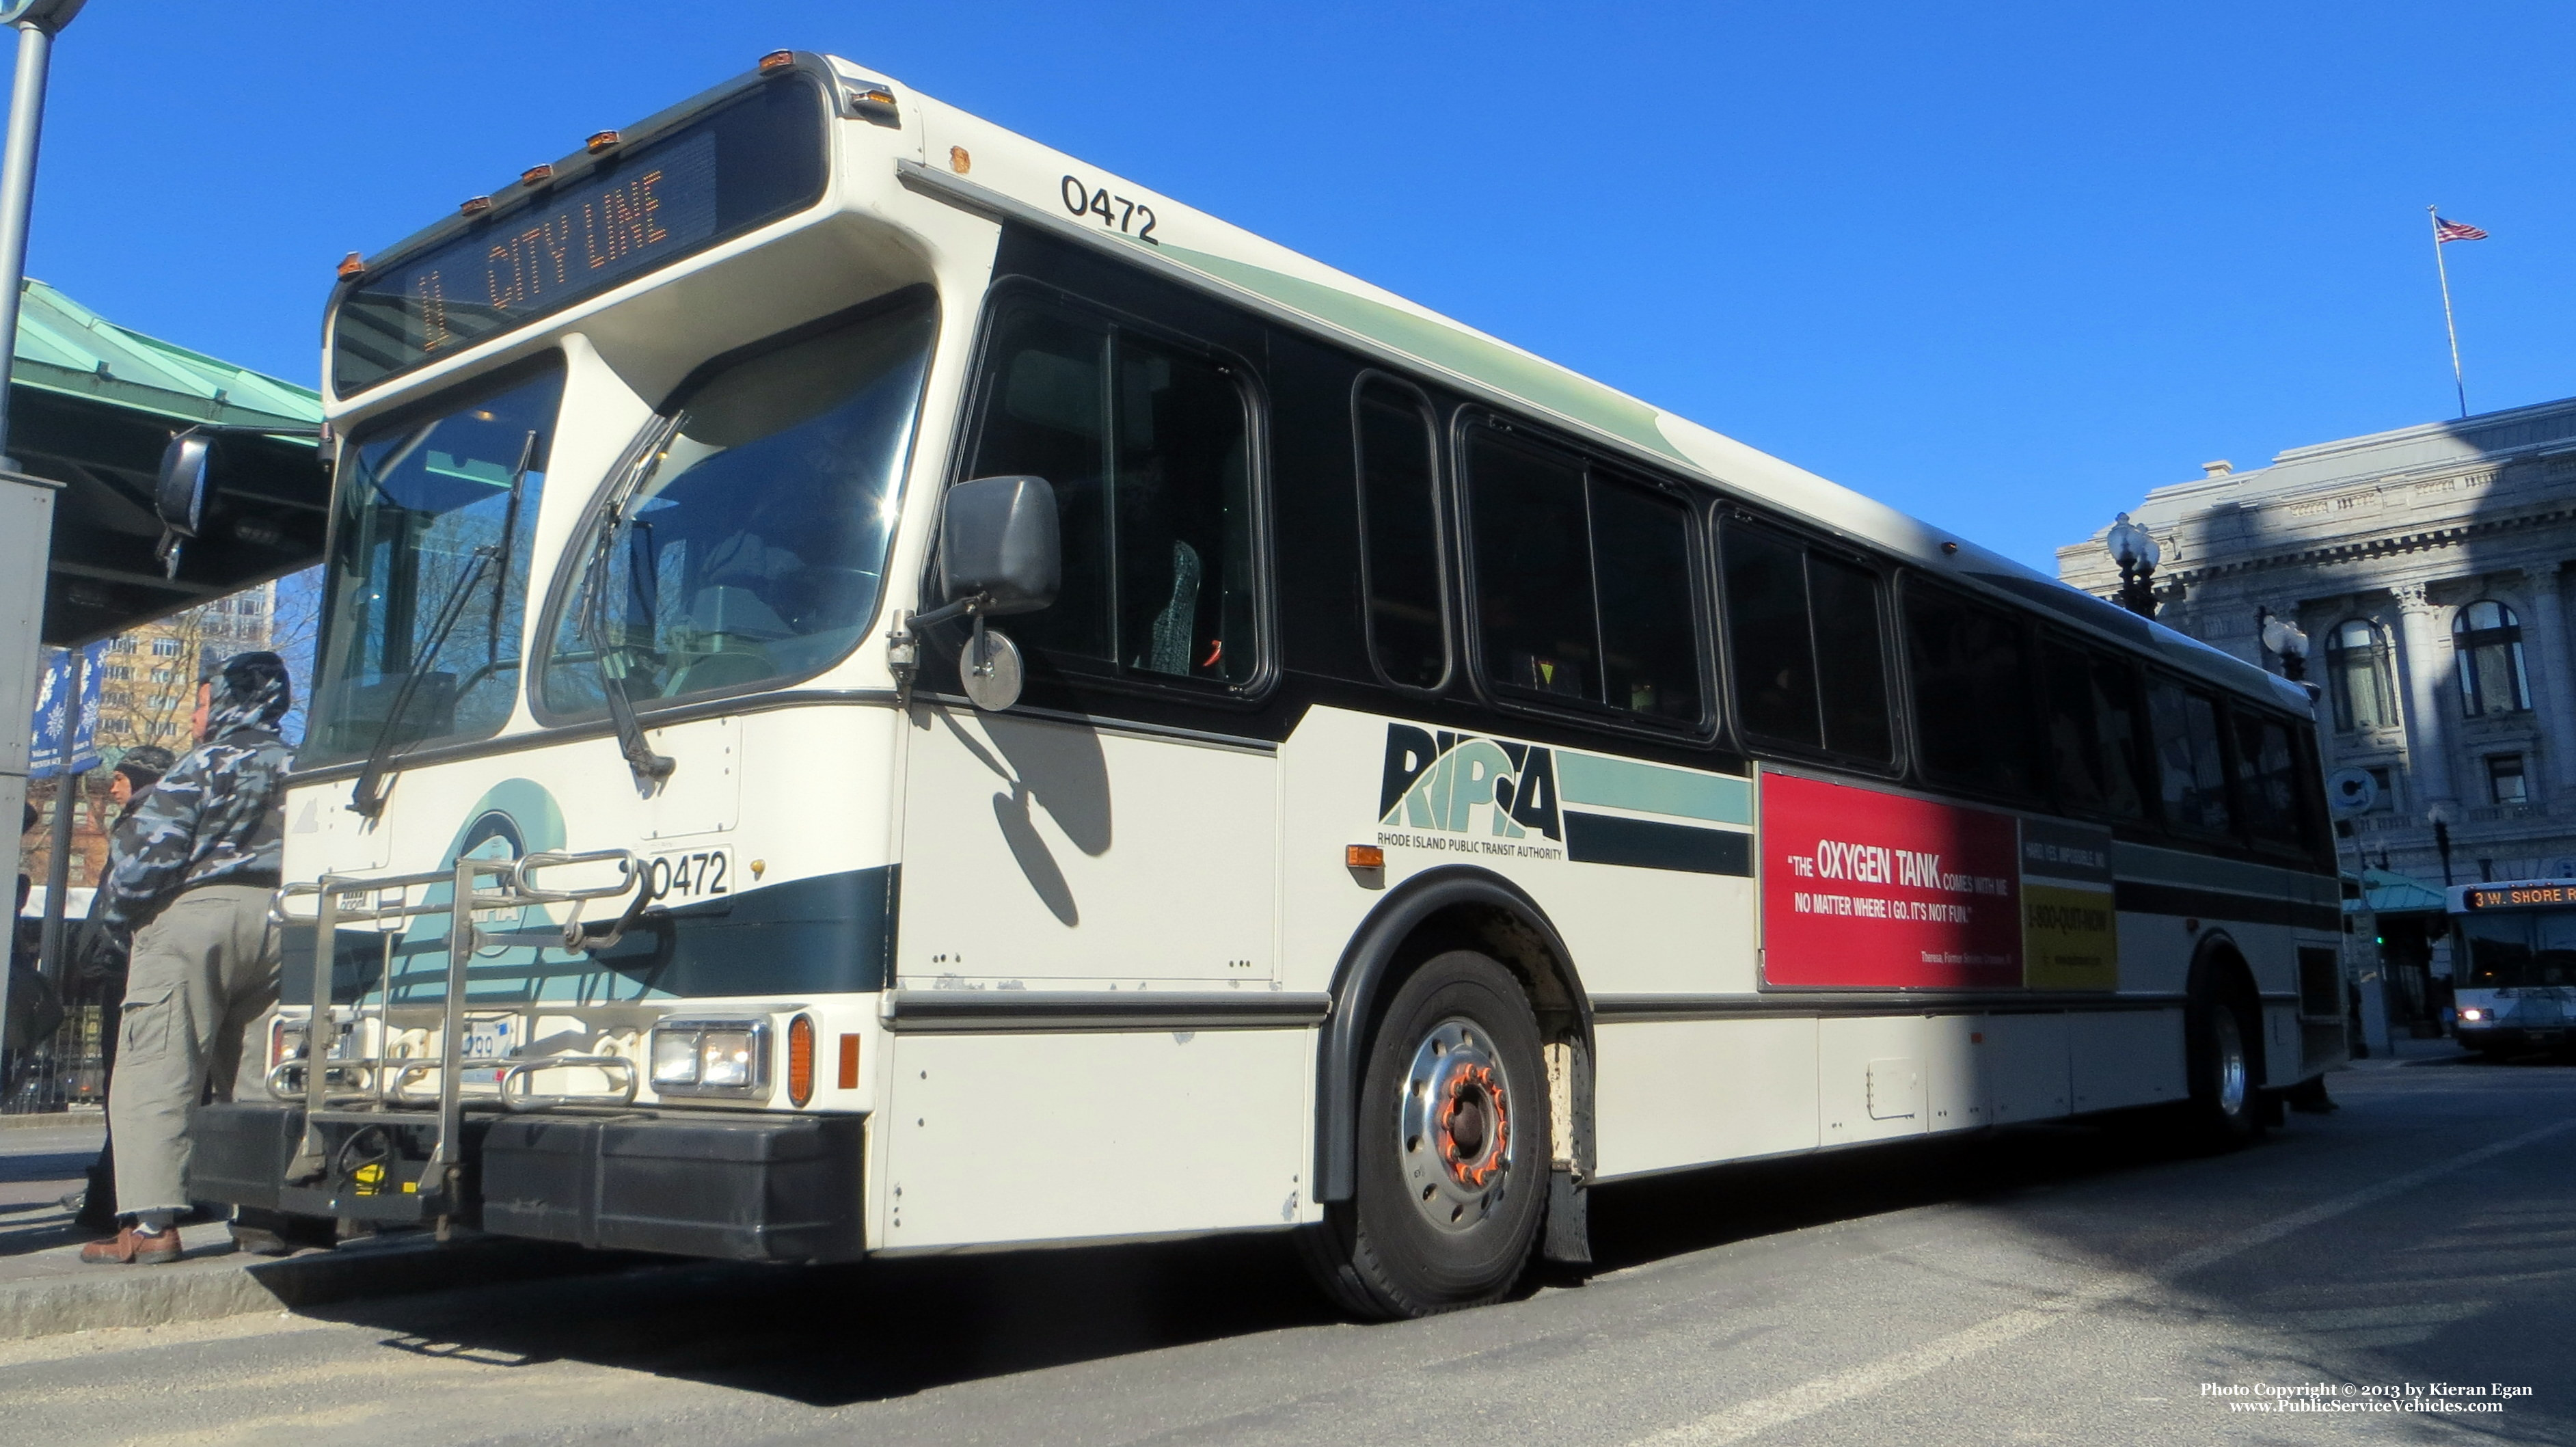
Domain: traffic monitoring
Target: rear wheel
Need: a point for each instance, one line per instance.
(2226, 1110)
(1453, 1149)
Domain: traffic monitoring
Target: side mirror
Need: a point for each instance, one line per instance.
(998, 542)
(187, 480)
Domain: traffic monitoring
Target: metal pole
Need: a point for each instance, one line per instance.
(58, 873)
(2442, 270)
(17, 196)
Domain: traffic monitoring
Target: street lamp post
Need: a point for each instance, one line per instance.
(2440, 814)
(2135, 550)
(36, 20)
(2287, 641)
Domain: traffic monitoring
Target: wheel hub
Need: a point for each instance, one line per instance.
(1455, 1127)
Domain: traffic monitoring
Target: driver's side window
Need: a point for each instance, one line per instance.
(1148, 447)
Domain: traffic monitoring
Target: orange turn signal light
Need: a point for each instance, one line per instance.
(959, 161)
(599, 141)
(800, 1060)
(777, 58)
(1364, 856)
(352, 265)
(849, 1062)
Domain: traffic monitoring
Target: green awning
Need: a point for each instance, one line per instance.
(91, 405)
(2385, 891)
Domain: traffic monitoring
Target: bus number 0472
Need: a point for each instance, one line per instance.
(1115, 212)
(691, 876)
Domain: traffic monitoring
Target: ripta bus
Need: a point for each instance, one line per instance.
(2514, 965)
(885, 690)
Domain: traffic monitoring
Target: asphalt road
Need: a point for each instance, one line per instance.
(2044, 1284)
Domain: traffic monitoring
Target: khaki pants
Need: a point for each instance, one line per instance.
(204, 969)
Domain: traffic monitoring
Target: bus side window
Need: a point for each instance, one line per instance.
(2267, 782)
(1770, 638)
(1803, 633)
(1641, 566)
(2120, 729)
(1971, 692)
(1583, 583)
(1046, 414)
(1533, 570)
(1148, 448)
(2074, 731)
(2189, 768)
(1851, 653)
(1400, 521)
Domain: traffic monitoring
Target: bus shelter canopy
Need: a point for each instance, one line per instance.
(91, 406)
(2389, 892)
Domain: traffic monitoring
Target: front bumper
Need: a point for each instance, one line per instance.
(738, 1186)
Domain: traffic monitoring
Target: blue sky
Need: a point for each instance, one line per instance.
(2005, 266)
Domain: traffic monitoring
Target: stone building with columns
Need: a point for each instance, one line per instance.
(2427, 569)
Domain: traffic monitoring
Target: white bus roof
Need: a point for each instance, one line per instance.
(973, 162)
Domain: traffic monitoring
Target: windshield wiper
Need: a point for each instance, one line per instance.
(647, 766)
(368, 796)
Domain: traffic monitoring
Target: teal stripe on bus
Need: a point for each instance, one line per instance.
(1652, 789)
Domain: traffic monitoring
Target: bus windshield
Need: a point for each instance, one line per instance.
(750, 550)
(2520, 949)
(437, 523)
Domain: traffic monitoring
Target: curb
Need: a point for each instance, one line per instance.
(230, 1285)
(53, 1119)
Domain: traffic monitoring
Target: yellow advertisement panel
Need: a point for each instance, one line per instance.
(2070, 938)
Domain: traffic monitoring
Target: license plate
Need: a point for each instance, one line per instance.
(698, 874)
(487, 1039)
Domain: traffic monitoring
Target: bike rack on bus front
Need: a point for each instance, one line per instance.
(381, 1098)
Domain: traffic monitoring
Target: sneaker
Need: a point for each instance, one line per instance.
(131, 1247)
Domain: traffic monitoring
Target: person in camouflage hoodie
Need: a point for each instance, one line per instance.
(190, 874)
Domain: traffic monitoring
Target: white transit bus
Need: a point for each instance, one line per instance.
(2513, 965)
(885, 690)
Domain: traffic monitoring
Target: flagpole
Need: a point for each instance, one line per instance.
(2432, 215)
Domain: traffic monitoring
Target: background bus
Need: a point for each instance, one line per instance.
(2513, 965)
(1421, 782)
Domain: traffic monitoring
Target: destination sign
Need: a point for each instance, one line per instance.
(755, 160)
(2520, 896)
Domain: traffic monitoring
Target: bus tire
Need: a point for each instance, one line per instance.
(2224, 1052)
(1453, 1149)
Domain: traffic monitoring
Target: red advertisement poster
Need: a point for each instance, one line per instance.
(1869, 890)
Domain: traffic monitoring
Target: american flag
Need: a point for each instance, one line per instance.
(2455, 231)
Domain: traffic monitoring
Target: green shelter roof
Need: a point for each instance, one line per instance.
(91, 406)
(67, 348)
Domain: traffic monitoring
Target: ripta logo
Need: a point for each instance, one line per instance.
(1463, 784)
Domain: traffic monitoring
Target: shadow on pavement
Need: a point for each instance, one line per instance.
(831, 1336)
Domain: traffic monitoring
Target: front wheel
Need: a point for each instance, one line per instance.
(1453, 1149)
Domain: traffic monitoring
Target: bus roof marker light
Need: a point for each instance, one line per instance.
(777, 60)
(475, 205)
(536, 176)
(600, 141)
(352, 266)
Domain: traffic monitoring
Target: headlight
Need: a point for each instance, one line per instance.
(2472, 1015)
(675, 1057)
(727, 1058)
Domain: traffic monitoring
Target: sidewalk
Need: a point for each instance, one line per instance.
(45, 1288)
(2406, 1050)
